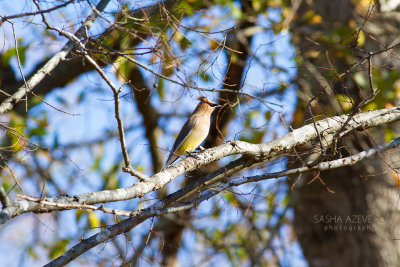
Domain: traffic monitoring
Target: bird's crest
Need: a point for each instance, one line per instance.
(208, 101)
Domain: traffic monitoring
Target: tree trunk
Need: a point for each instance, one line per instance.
(173, 228)
(356, 223)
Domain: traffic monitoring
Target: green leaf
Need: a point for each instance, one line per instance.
(205, 77)
(39, 131)
(56, 142)
(81, 96)
(58, 248)
(160, 89)
(231, 198)
(241, 253)
(236, 11)
(32, 253)
(22, 54)
(61, 100)
(111, 181)
(6, 56)
(361, 79)
(255, 137)
(268, 115)
(10, 53)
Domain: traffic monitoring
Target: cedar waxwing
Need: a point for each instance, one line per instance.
(194, 131)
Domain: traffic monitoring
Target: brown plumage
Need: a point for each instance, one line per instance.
(194, 131)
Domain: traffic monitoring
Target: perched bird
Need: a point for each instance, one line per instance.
(193, 132)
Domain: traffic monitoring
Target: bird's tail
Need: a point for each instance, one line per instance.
(173, 156)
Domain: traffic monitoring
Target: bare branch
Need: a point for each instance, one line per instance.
(19, 64)
(161, 207)
(5, 18)
(115, 90)
(9, 103)
(44, 202)
(253, 154)
(323, 166)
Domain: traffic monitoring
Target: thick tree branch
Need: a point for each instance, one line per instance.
(257, 152)
(323, 166)
(57, 72)
(161, 207)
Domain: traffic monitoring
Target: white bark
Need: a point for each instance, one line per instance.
(259, 153)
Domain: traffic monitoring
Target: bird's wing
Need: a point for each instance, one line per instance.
(183, 134)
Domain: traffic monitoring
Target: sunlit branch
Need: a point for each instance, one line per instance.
(44, 202)
(252, 154)
(161, 207)
(323, 166)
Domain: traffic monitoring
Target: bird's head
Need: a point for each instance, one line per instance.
(208, 102)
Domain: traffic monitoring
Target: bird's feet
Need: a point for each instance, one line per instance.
(192, 154)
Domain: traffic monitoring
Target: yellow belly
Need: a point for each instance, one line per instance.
(194, 139)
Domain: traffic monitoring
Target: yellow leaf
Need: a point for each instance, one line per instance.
(93, 219)
(78, 214)
(214, 45)
(278, 27)
(397, 86)
(363, 5)
(352, 23)
(389, 105)
(345, 102)
(389, 135)
(257, 5)
(313, 54)
(178, 36)
(275, 3)
(316, 19)
(396, 179)
(298, 117)
(361, 38)
(370, 106)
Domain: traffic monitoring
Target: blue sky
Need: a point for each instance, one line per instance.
(97, 111)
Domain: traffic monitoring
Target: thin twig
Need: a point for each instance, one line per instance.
(323, 166)
(114, 89)
(252, 154)
(315, 125)
(6, 18)
(19, 66)
(159, 75)
(161, 207)
(365, 101)
(9, 103)
(50, 105)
